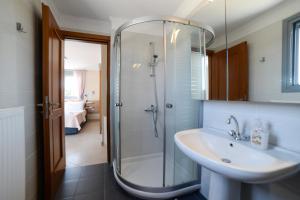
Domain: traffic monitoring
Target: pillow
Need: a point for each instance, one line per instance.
(74, 106)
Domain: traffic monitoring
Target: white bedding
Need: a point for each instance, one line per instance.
(75, 114)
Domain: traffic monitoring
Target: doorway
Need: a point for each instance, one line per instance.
(103, 74)
(85, 69)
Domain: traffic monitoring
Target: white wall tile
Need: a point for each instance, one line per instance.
(283, 119)
(137, 94)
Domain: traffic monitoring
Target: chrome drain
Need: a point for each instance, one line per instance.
(225, 160)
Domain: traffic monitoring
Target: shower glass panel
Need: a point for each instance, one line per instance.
(116, 100)
(160, 78)
(142, 97)
(184, 90)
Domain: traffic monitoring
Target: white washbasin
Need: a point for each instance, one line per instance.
(246, 164)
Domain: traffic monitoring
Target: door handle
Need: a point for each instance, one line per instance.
(54, 104)
(46, 109)
(50, 104)
(40, 105)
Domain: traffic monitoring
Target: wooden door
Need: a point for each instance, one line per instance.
(53, 103)
(217, 76)
(238, 74)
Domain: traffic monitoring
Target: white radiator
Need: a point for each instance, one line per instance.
(12, 154)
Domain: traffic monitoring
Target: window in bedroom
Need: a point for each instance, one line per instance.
(291, 54)
(70, 85)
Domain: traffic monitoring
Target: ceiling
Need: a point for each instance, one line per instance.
(238, 12)
(82, 55)
(103, 9)
(211, 13)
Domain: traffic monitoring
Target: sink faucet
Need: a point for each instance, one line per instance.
(236, 133)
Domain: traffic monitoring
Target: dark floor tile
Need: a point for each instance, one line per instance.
(93, 171)
(90, 185)
(192, 196)
(72, 173)
(109, 179)
(98, 182)
(200, 196)
(66, 198)
(90, 196)
(112, 191)
(66, 189)
(118, 194)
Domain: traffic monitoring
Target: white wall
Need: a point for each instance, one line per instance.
(284, 122)
(103, 80)
(92, 84)
(19, 59)
(92, 89)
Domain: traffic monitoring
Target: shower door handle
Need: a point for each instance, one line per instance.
(118, 104)
(169, 105)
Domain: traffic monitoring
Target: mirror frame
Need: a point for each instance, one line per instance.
(288, 51)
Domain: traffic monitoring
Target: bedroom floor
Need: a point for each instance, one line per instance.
(85, 147)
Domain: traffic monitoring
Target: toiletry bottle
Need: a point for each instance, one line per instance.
(259, 136)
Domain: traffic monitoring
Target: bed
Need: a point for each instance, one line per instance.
(75, 116)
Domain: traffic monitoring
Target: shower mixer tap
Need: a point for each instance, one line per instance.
(154, 110)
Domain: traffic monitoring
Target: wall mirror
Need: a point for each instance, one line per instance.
(263, 53)
(210, 13)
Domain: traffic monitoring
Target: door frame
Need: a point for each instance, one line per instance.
(104, 40)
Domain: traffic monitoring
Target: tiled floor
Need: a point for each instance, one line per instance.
(96, 182)
(85, 147)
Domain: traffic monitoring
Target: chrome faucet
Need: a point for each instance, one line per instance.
(154, 110)
(236, 134)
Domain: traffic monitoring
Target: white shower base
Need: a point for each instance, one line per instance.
(145, 170)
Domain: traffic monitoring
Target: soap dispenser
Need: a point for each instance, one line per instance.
(259, 136)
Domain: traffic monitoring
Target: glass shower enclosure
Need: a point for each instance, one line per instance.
(160, 76)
